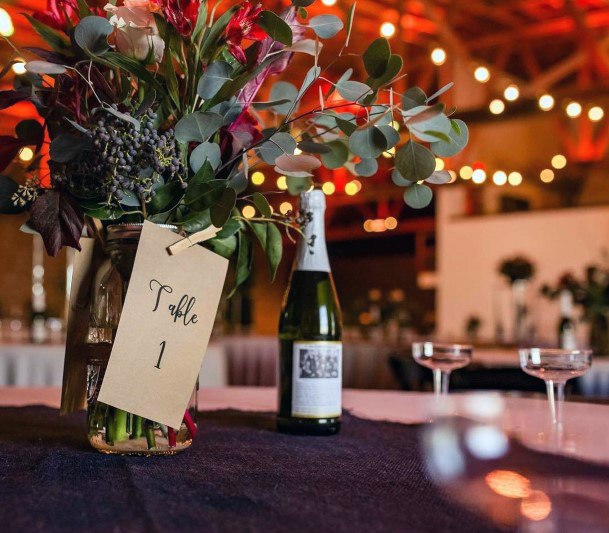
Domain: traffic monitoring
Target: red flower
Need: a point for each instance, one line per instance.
(181, 14)
(242, 26)
(59, 14)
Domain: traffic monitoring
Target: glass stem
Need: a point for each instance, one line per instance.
(445, 381)
(437, 381)
(550, 391)
(560, 402)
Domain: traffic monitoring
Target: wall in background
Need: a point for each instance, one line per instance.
(470, 250)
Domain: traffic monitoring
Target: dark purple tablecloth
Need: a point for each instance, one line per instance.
(239, 476)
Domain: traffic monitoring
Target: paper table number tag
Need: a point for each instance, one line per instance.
(164, 329)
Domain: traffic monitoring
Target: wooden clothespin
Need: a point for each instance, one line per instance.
(195, 238)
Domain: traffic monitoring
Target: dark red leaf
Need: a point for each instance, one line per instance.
(58, 219)
(9, 148)
(10, 98)
(50, 56)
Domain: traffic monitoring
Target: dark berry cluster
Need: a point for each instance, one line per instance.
(122, 159)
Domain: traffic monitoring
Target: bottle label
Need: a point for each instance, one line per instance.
(317, 379)
(568, 340)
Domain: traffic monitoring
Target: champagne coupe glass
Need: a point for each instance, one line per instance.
(555, 367)
(442, 359)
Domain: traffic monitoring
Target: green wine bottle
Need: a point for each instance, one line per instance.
(310, 360)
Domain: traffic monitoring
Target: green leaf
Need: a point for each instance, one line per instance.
(198, 126)
(413, 97)
(353, 91)
(55, 39)
(91, 34)
(399, 180)
(367, 167)
(326, 26)
(394, 67)
(302, 3)
(133, 66)
(296, 184)
(166, 197)
(244, 260)
(278, 144)
(270, 240)
(312, 147)
(262, 204)
(66, 147)
(231, 227)
(439, 177)
(202, 196)
(261, 106)
(275, 27)
(376, 57)
(337, 157)
(212, 37)
(418, 196)
(44, 67)
(206, 151)
(421, 120)
(284, 90)
(414, 162)
(123, 116)
(312, 74)
(368, 143)
(346, 126)
(392, 137)
(350, 17)
(458, 138)
(213, 79)
(195, 221)
(200, 24)
(225, 247)
(221, 209)
(171, 81)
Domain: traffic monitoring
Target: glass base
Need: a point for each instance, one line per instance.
(308, 426)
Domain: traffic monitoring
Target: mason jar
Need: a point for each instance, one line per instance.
(113, 430)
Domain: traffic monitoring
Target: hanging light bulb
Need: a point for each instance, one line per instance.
(515, 178)
(478, 176)
(285, 208)
(328, 188)
(248, 211)
(511, 92)
(438, 56)
(387, 29)
(596, 113)
(546, 175)
(6, 23)
(500, 178)
(482, 74)
(546, 102)
(574, 109)
(559, 161)
(328, 3)
(497, 106)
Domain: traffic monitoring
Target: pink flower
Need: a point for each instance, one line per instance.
(243, 26)
(136, 34)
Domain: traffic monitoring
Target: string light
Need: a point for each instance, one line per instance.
(26, 154)
(511, 93)
(285, 208)
(249, 211)
(596, 113)
(453, 176)
(352, 188)
(439, 164)
(328, 188)
(574, 109)
(482, 74)
(258, 178)
(478, 176)
(328, 2)
(282, 183)
(515, 178)
(546, 175)
(559, 161)
(19, 68)
(546, 102)
(388, 154)
(387, 29)
(391, 223)
(500, 178)
(438, 56)
(497, 106)
(466, 172)
(395, 125)
(6, 24)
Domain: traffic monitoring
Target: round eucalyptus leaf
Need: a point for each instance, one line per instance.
(413, 97)
(376, 57)
(459, 136)
(368, 143)
(367, 167)
(326, 26)
(91, 34)
(338, 156)
(44, 67)
(399, 180)
(418, 196)
(198, 127)
(391, 135)
(212, 80)
(284, 90)
(415, 162)
(353, 91)
(297, 185)
(278, 144)
(428, 123)
(206, 151)
(297, 163)
(439, 177)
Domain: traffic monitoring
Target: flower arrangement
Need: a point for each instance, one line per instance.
(150, 110)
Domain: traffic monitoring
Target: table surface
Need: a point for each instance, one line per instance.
(584, 436)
